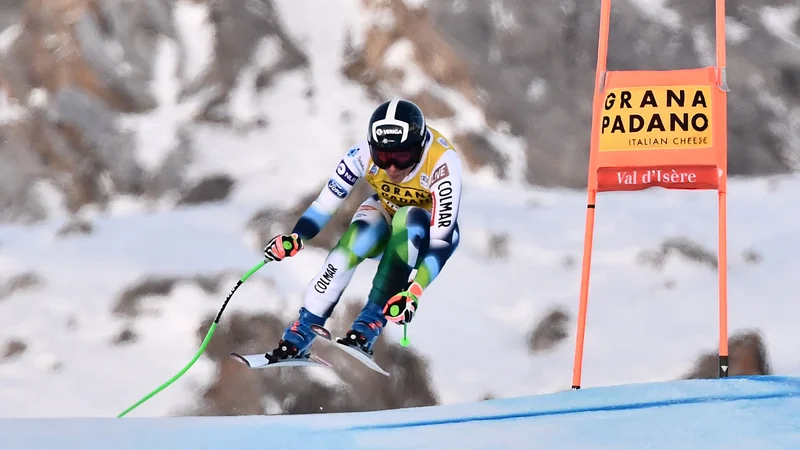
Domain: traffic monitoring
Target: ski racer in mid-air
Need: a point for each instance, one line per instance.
(411, 222)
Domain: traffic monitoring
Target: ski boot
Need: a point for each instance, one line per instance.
(296, 340)
(365, 329)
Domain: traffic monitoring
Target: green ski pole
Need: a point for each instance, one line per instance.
(203, 346)
(404, 341)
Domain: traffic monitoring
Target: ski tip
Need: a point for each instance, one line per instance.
(361, 356)
(240, 358)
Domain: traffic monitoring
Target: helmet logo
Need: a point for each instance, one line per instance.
(382, 131)
(390, 127)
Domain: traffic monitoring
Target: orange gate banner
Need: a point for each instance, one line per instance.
(663, 128)
(659, 129)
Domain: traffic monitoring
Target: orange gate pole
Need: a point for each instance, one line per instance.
(722, 251)
(602, 58)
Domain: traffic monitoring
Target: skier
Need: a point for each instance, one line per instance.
(410, 223)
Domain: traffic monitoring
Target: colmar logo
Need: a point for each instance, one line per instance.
(325, 279)
(444, 204)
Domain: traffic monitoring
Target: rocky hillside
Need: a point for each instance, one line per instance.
(75, 75)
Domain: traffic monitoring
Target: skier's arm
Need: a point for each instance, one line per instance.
(333, 195)
(446, 192)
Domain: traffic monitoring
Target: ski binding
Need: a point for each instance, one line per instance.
(355, 352)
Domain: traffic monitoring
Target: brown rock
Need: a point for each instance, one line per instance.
(14, 348)
(75, 227)
(549, 331)
(214, 188)
(20, 282)
(747, 355)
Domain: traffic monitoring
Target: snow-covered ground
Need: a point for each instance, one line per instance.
(741, 413)
(473, 320)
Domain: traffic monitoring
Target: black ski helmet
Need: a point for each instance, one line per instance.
(397, 134)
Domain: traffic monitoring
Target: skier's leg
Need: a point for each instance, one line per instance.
(402, 306)
(405, 251)
(365, 237)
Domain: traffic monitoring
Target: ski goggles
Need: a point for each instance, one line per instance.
(401, 159)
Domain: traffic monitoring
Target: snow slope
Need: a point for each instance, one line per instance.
(473, 320)
(737, 413)
(637, 329)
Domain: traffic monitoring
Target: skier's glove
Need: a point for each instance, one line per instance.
(401, 308)
(282, 246)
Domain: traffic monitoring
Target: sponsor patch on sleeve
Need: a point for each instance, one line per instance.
(346, 174)
(439, 173)
(337, 189)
